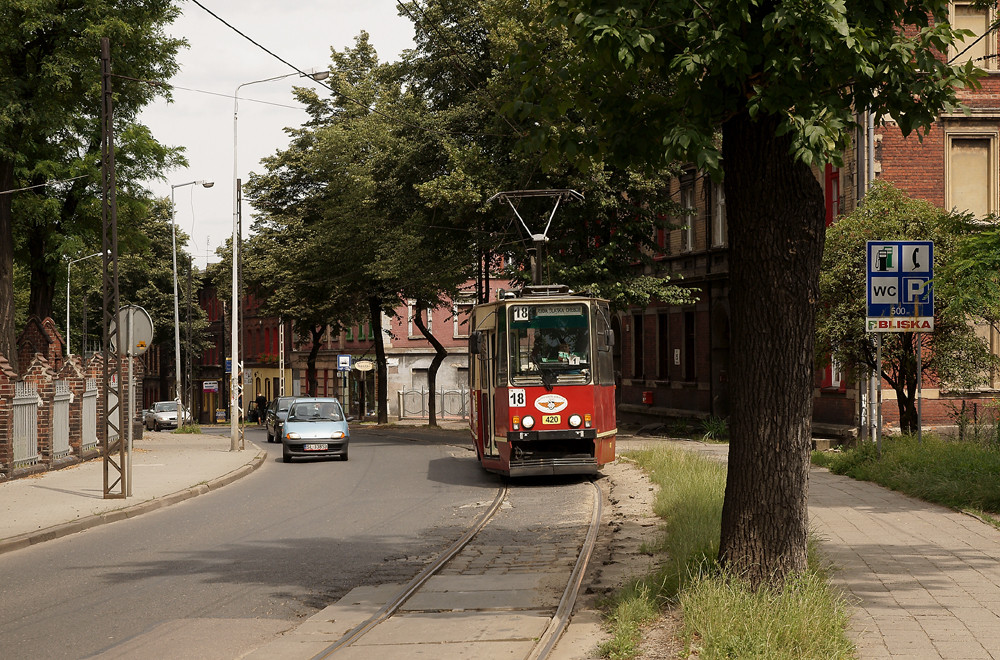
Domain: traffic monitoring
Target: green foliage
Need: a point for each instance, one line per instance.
(953, 353)
(962, 475)
(715, 428)
(658, 80)
(189, 429)
(50, 129)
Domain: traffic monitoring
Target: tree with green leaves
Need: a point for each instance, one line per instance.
(50, 133)
(761, 90)
(952, 354)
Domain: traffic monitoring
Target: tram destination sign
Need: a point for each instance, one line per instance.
(900, 287)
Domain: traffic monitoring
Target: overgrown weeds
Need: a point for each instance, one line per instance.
(722, 616)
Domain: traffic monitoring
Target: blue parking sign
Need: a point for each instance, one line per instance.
(900, 287)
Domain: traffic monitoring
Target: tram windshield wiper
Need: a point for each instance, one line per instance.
(548, 377)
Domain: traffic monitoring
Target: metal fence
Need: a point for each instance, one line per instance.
(450, 403)
(26, 402)
(60, 419)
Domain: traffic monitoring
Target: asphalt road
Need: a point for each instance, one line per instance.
(218, 575)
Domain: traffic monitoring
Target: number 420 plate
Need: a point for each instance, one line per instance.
(550, 419)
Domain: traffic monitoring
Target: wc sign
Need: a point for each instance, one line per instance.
(900, 286)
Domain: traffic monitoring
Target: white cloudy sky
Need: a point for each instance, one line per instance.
(218, 61)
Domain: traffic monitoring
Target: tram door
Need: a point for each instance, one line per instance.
(487, 375)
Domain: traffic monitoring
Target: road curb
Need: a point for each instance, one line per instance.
(65, 529)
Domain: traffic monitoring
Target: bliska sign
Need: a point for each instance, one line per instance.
(900, 288)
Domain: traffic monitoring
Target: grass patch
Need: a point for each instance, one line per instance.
(963, 475)
(722, 617)
(188, 428)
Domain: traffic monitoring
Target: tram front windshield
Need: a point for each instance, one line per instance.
(549, 344)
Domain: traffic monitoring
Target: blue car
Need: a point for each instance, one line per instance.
(314, 426)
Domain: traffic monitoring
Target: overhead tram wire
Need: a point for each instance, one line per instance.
(360, 104)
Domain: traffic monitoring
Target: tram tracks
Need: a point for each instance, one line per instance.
(541, 644)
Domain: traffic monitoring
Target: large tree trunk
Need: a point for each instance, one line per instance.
(43, 280)
(382, 387)
(8, 335)
(439, 355)
(776, 233)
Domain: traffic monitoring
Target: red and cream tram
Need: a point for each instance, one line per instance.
(542, 379)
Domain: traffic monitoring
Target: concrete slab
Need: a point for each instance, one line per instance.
(460, 601)
(205, 639)
(488, 582)
(456, 627)
(463, 651)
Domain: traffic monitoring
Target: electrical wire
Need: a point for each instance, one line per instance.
(42, 185)
(360, 104)
(166, 85)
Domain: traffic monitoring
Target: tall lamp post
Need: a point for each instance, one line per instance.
(69, 265)
(177, 316)
(237, 363)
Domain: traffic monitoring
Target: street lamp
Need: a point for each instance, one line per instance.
(236, 370)
(69, 265)
(177, 316)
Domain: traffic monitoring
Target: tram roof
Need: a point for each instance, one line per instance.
(542, 292)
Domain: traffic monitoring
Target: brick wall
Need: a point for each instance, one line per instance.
(43, 368)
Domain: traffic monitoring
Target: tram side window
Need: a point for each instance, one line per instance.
(605, 341)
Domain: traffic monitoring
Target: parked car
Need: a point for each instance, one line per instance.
(277, 410)
(163, 415)
(314, 426)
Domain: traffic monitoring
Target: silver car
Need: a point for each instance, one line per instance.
(163, 415)
(315, 426)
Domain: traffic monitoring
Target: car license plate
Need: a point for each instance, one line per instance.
(550, 419)
(316, 446)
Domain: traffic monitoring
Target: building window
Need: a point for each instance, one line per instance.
(971, 172)
(412, 331)
(983, 52)
(637, 353)
(687, 201)
(719, 226)
(461, 314)
(831, 180)
(663, 345)
(689, 347)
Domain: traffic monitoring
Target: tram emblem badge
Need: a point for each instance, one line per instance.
(551, 403)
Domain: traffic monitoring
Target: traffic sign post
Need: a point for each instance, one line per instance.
(900, 287)
(900, 297)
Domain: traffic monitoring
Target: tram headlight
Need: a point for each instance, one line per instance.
(528, 422)
(575, 421)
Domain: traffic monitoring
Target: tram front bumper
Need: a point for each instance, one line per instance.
(566, 434)
(540, 453)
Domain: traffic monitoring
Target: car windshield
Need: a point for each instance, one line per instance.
(166, 406)
(316, 411)
(284, 403)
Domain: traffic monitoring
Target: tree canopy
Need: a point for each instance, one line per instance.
(50, 133)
